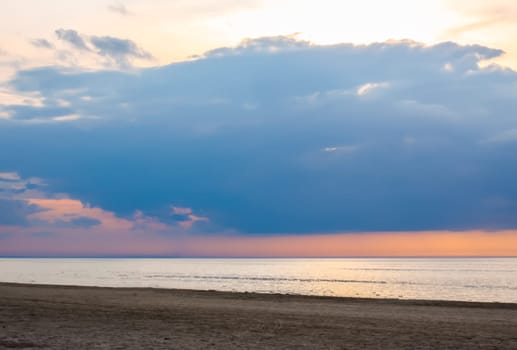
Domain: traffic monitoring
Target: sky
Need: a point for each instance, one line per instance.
(258, 128)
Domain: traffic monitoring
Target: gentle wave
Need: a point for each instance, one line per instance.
(423, 269)
(312, 280)
(273, 279)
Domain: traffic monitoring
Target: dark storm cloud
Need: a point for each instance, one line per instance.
(281, 135)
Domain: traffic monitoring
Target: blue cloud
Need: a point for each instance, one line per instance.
(81, 222)
(73, 38)
(22, 112)
(116, 51)
(280, 135)
(119, 49)
(42, 43)
(15, 212)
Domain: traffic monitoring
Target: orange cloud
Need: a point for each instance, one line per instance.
(69, 209)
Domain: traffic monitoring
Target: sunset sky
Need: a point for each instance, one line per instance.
(258, 128)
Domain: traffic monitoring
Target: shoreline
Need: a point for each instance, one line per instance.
(259, 296)
(35, 316)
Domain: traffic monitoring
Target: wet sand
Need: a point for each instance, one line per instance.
(56, 317)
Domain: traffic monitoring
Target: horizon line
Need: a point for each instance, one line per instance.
(254, 257)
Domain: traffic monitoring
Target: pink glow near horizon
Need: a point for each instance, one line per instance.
(429, 243)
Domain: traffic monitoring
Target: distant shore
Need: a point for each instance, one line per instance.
(66, 317)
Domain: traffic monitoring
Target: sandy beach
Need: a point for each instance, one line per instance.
(57, 317)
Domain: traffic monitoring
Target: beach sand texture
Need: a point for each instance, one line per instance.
(54, 317)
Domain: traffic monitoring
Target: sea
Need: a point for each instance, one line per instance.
(461, 279)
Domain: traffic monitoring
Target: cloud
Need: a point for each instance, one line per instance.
(114, 52)
(66, 212)
(119, 50)
(9, 177)
(186, 218)
(13, 187)
(341, 149)
(368, 88)
(483, 8)
(339, 138)
(119, 8)
(181, 211)
(474, 26)
(73, 38)
(266, 44)
(28, 203)
(82, 221)
(21, 112)
(15, 212)
(42, 43)
(482, 16)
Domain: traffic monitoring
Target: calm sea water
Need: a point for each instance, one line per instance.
(470, 279)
